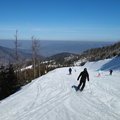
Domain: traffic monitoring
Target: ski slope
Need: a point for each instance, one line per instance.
(51, 97)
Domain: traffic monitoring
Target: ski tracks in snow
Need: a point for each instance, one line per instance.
(51, 97)
(48, 104)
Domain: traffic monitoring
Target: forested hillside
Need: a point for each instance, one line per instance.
(101, 53)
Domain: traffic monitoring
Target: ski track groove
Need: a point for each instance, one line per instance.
(111, 111)
(100, 103)
(44, 107)
(60, 98)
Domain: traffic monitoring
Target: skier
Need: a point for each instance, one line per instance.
(99, 73)
(84, 74)
(111, 72)
(70, 70)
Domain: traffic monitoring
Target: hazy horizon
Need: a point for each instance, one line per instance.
(49, 48)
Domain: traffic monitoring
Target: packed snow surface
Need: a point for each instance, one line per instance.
(51, 97)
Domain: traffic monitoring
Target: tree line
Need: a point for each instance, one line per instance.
(12, 76)
(96, 54)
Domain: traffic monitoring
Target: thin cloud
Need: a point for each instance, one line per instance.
(72, 29)
(7, 29)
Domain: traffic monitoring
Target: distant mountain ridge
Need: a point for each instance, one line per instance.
(49, 48)
(7, 55)
(93, 54)
(62, 55)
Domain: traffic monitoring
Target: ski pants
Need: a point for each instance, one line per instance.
(81, 84)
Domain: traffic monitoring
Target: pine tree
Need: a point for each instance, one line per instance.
(8, 81)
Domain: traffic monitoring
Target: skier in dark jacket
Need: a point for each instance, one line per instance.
(111, 72)
(84, 75)
(70, 71)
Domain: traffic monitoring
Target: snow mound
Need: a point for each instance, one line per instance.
(106, 64)
(112, 64)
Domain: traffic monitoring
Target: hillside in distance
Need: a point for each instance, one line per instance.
(95, 54)
(68, 58)
(49, 48)
(7, 55)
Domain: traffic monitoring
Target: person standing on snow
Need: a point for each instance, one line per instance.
(111, 72)
(70, 70)
(84, 75)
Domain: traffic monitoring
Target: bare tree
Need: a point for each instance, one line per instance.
(35, 56)
(17, 45)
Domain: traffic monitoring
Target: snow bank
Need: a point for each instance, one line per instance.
(106, 64)
(28, 67)
(112, 64)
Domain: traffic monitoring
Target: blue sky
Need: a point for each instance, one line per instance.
(60, 19)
